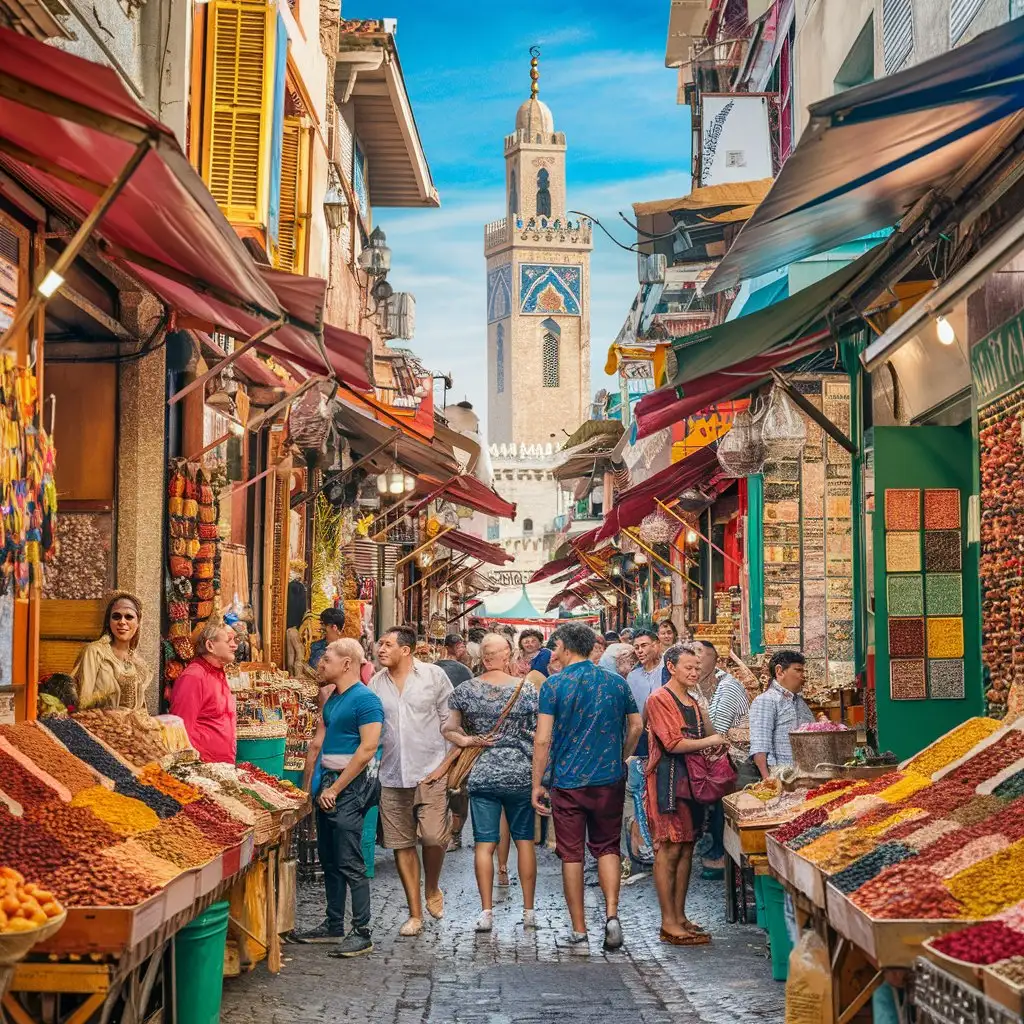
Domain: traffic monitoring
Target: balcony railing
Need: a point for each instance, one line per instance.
(549, 230)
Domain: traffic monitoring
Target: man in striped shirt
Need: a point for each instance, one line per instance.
(777, 711)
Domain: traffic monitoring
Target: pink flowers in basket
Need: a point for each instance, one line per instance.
(823, 726)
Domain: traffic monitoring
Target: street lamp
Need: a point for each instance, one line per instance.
(335, 205)
(375, 258)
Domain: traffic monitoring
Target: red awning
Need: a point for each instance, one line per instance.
(78, 128)
(631, 506)
(666, 406)
(468, 491)
(554, 567)
(467, 544)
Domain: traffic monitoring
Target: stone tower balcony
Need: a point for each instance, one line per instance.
(546, 232)
(522, 137)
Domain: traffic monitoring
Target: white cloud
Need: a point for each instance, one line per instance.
(438, 255)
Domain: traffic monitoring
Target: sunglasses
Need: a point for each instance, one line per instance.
(125, 616)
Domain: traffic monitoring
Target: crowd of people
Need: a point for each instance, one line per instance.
(589, 742)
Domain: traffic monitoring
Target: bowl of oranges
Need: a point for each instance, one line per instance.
(28, 914)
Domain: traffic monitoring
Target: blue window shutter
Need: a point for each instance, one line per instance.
(277, 129)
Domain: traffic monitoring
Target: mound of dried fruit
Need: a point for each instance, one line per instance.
(24, 906)
(985, 943)
(33, 741)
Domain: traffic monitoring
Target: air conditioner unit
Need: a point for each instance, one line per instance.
(400, 315)
(650, 268)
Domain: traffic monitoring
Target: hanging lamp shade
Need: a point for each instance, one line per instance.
(741, 452)
(783, 431)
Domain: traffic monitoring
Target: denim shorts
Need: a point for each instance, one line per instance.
(486, 810)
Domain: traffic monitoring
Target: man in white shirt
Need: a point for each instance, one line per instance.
(413, 806)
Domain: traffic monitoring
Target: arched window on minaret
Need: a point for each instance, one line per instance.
(543, 194)
(513, 195)
(549, 353)
(499, 358)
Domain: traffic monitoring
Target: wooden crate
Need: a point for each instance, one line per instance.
(802, 875)
(112, 930)
(965, 971)
(1002, 991)
(893, 943)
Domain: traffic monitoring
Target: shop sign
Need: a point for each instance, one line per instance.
(997, 361)
(508, 578)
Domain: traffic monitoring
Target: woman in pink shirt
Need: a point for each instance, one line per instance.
(202, 699)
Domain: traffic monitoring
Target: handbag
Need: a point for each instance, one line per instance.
(459, 762)
(710, 779)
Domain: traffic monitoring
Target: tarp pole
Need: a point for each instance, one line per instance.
(78, 240)
(707, 540)
(423, 547)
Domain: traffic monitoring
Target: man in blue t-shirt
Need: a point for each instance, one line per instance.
(346, 741)
(588, 725)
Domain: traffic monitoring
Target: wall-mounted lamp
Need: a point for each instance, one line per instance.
(945, 331)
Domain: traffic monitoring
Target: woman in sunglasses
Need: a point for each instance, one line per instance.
(109, 673)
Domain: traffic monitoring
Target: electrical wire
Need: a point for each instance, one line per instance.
(629, 248)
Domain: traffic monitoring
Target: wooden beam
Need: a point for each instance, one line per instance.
(40, 163)
(423, 547)
(105, 319)
(707, 540)
(814, 414)
(301, 499)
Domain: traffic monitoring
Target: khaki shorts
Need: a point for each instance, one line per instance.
(420, 813)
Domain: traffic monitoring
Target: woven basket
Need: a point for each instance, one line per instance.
(15, 946)
(811, 749)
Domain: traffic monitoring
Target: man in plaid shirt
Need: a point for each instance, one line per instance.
(777, 711)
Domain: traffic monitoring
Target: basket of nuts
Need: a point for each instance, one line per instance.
(28, 914)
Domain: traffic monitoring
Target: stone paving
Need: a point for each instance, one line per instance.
(451, 975)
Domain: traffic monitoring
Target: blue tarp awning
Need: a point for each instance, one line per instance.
(868, 154)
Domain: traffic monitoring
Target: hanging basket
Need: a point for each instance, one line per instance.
(659, 528)
(742, 451)
(784, 431)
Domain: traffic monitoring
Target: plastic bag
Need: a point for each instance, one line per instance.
(809, 985)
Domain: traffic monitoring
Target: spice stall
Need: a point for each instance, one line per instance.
(134, 843)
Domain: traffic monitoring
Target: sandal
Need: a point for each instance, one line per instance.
(503, 878)
(672, 940)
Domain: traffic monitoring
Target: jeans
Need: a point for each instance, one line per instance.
(636, 783)
(340, 846)
(486, 809)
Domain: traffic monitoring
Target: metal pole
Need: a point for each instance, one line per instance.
(423, 547)
(707, 540)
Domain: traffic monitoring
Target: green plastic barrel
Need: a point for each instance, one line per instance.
(778, 934)
(294, 777)
(762, 922)
(266, 754)
(199, 966)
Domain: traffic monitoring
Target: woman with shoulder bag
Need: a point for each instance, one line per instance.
(684, 775)
(492, 720)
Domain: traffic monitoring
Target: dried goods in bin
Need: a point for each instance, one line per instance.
(24, 906)
(33, 741)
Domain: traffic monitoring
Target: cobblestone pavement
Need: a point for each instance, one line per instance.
(451, 975)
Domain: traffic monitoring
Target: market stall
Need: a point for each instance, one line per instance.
(134, 842)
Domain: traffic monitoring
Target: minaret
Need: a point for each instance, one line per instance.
(538, 290)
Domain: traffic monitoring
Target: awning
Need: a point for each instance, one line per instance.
(468, 491)
(632, 505)
(733, 193)
(868, 154)
(554, 567)
(467, 544)
(69, 130)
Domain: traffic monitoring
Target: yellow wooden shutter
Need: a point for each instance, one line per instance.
(238, 105)
(289, 231)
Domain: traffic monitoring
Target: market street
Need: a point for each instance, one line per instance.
(450, 975)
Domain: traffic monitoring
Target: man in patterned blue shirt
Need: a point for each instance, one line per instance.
(588, 725)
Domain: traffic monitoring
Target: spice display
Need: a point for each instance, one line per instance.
(77, 825)
(976, 850)
(910, 784)
(993, 759)
(84, 747)
(945, 638)
(943, 593)
(35, 743)
(134, 735)
(1011, 969)
(942, 551)
(903, 552)
(97, 882)
(179, 841)
(906, 638)
(942, 509)
(894, 896)
(953, 746)
(902, 508)
(153, 775)
(976, 810)
(161, 803)
(24, 906)
(906, 595)
(54, 787)
(822, 726)
(81, 566)
(214, 822)
(946, 679)
(1011, 788)
(125, 816)
(133, 857)
(930, 833)
(991, 885)
(19, 783)
(26, 847)
(906, 677)
(870, 866)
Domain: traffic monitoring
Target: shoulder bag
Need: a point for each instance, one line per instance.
(710, 778)
(460, 760)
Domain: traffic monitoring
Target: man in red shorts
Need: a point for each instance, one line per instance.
(588, 725)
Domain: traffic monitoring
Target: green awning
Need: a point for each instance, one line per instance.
(735, 341)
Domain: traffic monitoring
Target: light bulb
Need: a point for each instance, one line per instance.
(640, 558)
(410, 483)
(945, 330)
(691, 537)
(396, 481)
(382, 483)
(50, 284)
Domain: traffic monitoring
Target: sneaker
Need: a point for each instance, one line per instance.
(356, 943)
(485, 922)
(530, 919)
(612, 934)
(578, 943)
(322, 933)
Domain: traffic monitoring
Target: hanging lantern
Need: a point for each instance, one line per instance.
(741, 452)
(784, 432)
(658, 528)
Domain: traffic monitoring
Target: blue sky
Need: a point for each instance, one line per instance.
(467, 70)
